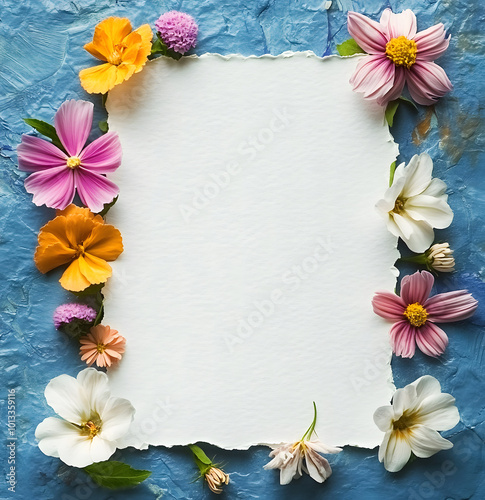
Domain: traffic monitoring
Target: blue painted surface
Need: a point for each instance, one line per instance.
(40, 56)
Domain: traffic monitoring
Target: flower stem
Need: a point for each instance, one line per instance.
(309, 432)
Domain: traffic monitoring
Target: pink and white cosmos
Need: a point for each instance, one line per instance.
(398, 55)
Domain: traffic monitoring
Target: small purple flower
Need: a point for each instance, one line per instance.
(67, 313)
(177, 30)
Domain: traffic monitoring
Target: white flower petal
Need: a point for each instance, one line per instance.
(426, 442)
(421, 237)
(291, 469)
(383, 446)
(317, 466)
(439, 412)
(397, 452)
(76, 451)
(116, 416)
(96, 388)
(436, 188)
(101, 449)
(51, 432)
(405, 226)
(403, 399)
(418, 175)
(435, 211)
(318, 446)
(383, 418)
(66, 397)
(426, 386)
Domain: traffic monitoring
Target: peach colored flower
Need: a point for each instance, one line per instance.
(102, 345)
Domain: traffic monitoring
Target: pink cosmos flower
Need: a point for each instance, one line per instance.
(398, 55)
(57, 175)
(415, 313)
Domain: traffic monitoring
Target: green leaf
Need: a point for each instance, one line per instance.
(104, 97)
(405, 99)
(46, 129)
(391, 111)
(90, 290)
(393, 170)
(160, 48)
(200, 455)
(103, 126)
(107, 207)
(116, 475)
(349, 48)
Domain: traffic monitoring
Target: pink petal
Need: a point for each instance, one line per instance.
(403, 339)
(431, 43)
(416, 287)
(427, 82)
(369, 35)
(396, 90)
(103, 155)
(450, 306)
(94, 189)
(53, 188)
(73, 122)
(374, 76)
(389, 306)
(431, 339)
(396, 25)
(36, 154)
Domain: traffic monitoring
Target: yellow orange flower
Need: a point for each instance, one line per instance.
(81, 239)
(124, 51)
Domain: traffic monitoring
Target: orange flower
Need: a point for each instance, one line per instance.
(81, 239)
(125, 52)
(103, 345)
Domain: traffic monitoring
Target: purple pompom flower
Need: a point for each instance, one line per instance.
(177, 30)
(67, 313)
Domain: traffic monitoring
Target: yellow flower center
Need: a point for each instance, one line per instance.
(73, 162)
(401, 51)
(399, 206)
(406, 421)
(116, 56)
(91, 428)
(416, 314)
(100, 348)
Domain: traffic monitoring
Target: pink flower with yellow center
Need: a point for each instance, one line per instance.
(415, 314)
(57, 173)
(398, 55)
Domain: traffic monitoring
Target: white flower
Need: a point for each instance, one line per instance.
(289, 459)
(415, 204)
(440, 258)
(92, 419)
(411, 423)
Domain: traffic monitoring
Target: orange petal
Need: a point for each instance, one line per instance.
(52, 256)
(79, 229)
(73, 209)
(94, 269)
(146, 46)
(132, 44)
(91, 48)
(104, 242)
(107, 34)
(72, 279)
(125, 71)
(54, 232)
(98, 79)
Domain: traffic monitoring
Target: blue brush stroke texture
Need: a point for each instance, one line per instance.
(40, 56)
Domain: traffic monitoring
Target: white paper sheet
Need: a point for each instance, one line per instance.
(252, 251)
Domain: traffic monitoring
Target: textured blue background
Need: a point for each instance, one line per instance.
(40, 56)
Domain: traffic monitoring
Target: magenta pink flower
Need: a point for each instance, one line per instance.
(178, 31)
(57, 175)
(415, 313)
(397, 56)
